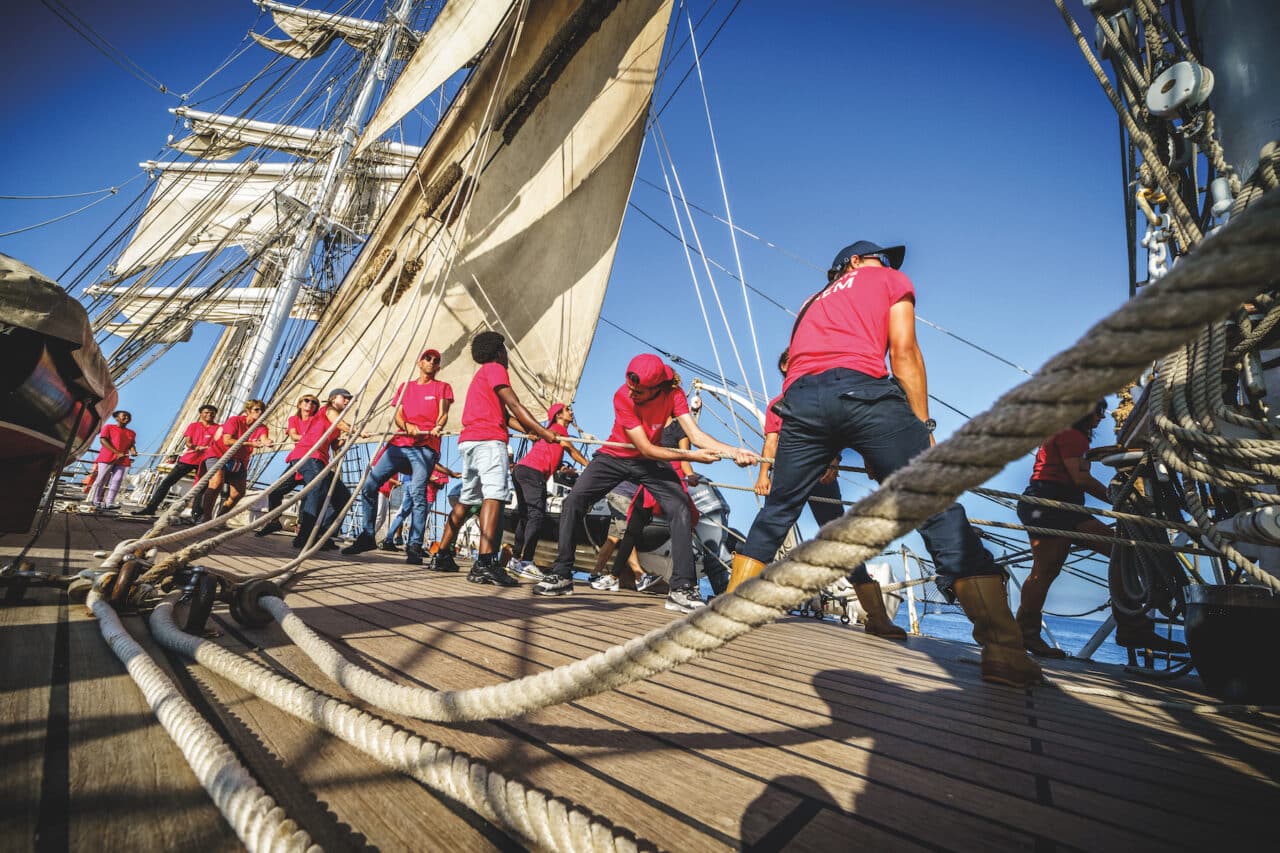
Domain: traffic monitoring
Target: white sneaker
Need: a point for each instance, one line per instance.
(524, 570)
(607, 583)
(685, 600)
(647, 580)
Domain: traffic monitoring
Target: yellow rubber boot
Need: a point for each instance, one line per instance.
(871, 597)
(1029, 623)
(743, 569)
(1004, 660)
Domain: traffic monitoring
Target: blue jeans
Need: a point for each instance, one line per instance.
(824, 413)
(315, 499)
(418, 462)
(402, 515)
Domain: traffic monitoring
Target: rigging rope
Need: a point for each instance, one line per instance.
(81, 28)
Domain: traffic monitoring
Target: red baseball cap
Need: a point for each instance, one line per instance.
(556, 408)
(427, 352)
(647, 370)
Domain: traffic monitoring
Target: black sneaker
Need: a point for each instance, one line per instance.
(388, 546)
(143, 511)
(554, 585)
(444, 562)
(363, 542)
(413, 554)
(329, 545)
(483, 571)
(686, 599)
(269, 528)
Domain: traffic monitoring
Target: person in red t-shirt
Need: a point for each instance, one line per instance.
(838, 394)
(197, 437)
(438, 480)
(118, 444)
(299, 430)
(323, 433)
(236, 469)
(490, 408)
(1061, 473)
(642, 407)
(530, 475)
(422, 411)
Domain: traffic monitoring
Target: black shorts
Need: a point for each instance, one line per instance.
(1034, 515)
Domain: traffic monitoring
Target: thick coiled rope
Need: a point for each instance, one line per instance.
(254, 816)
(1225, 269)
(535, 817)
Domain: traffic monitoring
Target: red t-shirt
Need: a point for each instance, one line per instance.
(438, 480)
(421, 402)
(483, 416)
(236, 426)
(1050, 458)
(545, 456)
(650, 417)
(847, 325)
(298, 424)
(310, 443)
(121, 439)
(200, 435)
(772, 420)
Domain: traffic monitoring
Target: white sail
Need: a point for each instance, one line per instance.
(197, 207)
(458, 35)
(311, 32)
(559, 119)
(217, 137)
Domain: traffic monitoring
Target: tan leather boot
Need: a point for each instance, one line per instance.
(871, 597)
(743, 569)
(1029, 623)
(1004, 661)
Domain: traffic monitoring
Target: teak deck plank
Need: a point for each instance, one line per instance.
(801, 735)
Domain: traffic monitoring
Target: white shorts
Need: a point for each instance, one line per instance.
(486, 473)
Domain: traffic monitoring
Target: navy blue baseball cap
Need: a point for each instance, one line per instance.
(894, 254)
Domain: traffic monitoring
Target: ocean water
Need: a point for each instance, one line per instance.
(1071, 634)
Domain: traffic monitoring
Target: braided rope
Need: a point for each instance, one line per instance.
(1223, 271)
(1093, 538)
(534, 816)
(254, 816)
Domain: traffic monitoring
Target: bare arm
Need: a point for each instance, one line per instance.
(574, 453)
(740, 455)
(765, 478)
(649, 450)
(1078, 470)
(522, 415)
(905, 359)
(442, 419)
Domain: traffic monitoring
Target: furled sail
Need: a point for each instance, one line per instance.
(311, 32)
(511, 217)
(217, 137)
(459, 34)
(198, 207)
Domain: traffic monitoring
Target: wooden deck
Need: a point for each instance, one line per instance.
(799, 736)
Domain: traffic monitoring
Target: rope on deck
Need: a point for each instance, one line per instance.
(1224, 270)
(534, 816)
(252, 813)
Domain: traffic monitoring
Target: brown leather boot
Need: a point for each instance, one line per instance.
(1029, 623)
(1004, 661)
(878, 622)
(743, 569)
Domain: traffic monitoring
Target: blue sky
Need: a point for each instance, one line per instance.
(974, 133)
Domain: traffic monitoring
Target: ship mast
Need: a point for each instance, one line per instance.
(251, 379)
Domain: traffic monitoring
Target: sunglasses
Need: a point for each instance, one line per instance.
(432, 358)
(309, 400)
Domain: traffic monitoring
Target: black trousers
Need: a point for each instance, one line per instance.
(179, 470)
(531, 509)
(602, 474)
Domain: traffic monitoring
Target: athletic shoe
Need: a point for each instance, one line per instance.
(554, 585)
(388, 546)
(686, 599)
(268, 528)
(364, 542)
(143, 511)
(605, 583)
(647, 581)
(525, 570)
(329, 545)
(486, 571)
(444, 562)
(412, 553)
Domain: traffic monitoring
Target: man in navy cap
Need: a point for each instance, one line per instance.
(837, 394)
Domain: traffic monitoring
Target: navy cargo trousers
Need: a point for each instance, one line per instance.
(824, 413)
